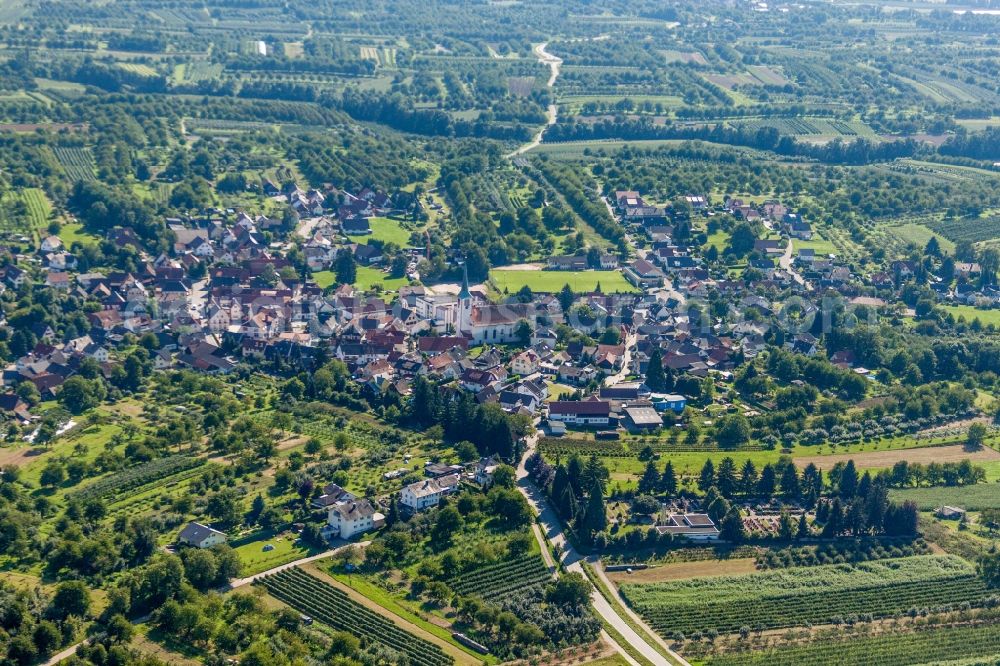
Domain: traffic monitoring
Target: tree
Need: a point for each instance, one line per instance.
(346, 268)
(595, 517)
(570, 589)
(733, 430)
(706, 479)
(53, 473)
(224, 506)
(650, 479)
(748, 478)
(732, 529)
(726, 478)
(448, 522)
(72, 598)
(976, 436)
(199, 567)
(668, 480)
(566, 298)
(78, 394)
(767, 482)
(989, 569)
(656, 378)
(847, 486)
(790, 482)
(523, 332)
(803, 532)
(786, 526)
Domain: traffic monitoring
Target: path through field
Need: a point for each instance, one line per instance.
(554, 63)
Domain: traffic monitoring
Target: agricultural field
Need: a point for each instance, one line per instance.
(496, 580)
(78, 163)
(818, 595)
(116, 486)
(956, 646)
(25, 212)
(334, 608)
(973, 498)
(813, 127)
(510, 281)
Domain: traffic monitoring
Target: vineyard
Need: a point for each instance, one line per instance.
(497, 580)
(78, 163)
(565, 446)
(923, 646)
(817, 595)
(332, 607)
(120, 484)
(972, 229)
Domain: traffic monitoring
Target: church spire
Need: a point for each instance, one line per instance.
(465, 293)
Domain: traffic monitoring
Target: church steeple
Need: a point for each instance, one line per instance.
(465, 293)
(464, 303)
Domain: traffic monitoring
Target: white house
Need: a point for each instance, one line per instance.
(525, 363)
(352, 517)
(422, 494)
(200, 536)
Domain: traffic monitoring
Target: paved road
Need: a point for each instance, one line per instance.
(553, 63)
(626, 370)
(571, 560)
(786, 263)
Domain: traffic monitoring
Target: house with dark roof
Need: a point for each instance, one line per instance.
(200, 536)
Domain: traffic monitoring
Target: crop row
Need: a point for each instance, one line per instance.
(498, 579)
(132, 479)
(816, 607)
(891, 649)
(76, 162)
(333, 607)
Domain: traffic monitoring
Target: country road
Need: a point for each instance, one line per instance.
(554, 63)
(572, 561)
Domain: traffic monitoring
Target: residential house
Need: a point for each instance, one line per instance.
(200, 536)
(428, 492)
(591, 412)
(345, 519)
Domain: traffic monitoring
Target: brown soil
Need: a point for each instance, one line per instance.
(681, 570)
(883, 459)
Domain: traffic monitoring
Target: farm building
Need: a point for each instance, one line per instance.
(580, 412)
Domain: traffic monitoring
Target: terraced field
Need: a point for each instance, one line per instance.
(817, 595)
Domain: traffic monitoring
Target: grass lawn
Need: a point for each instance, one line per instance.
(970, 313)
(553, 281)
(719, 239)
(369, 277)
(817, 243)
(73, 232)
(324, 278)
(255, 559)
(919, 235)
(385, 230)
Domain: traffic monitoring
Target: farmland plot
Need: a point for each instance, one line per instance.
(325, 603)
(78, 163)
(817, 595)
(497, 580)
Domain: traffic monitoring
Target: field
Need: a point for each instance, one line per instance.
(818, 595)
(974, 230)
(496, 580)
(969, 312)
(884, 459)
(974, 498)
(133, 479)
(683, 570)
(385, 230)
(818, 127)
(73, 233)
(33, 213)
(78, 163)
(509, 281)
(332, 607)
(924, 646)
